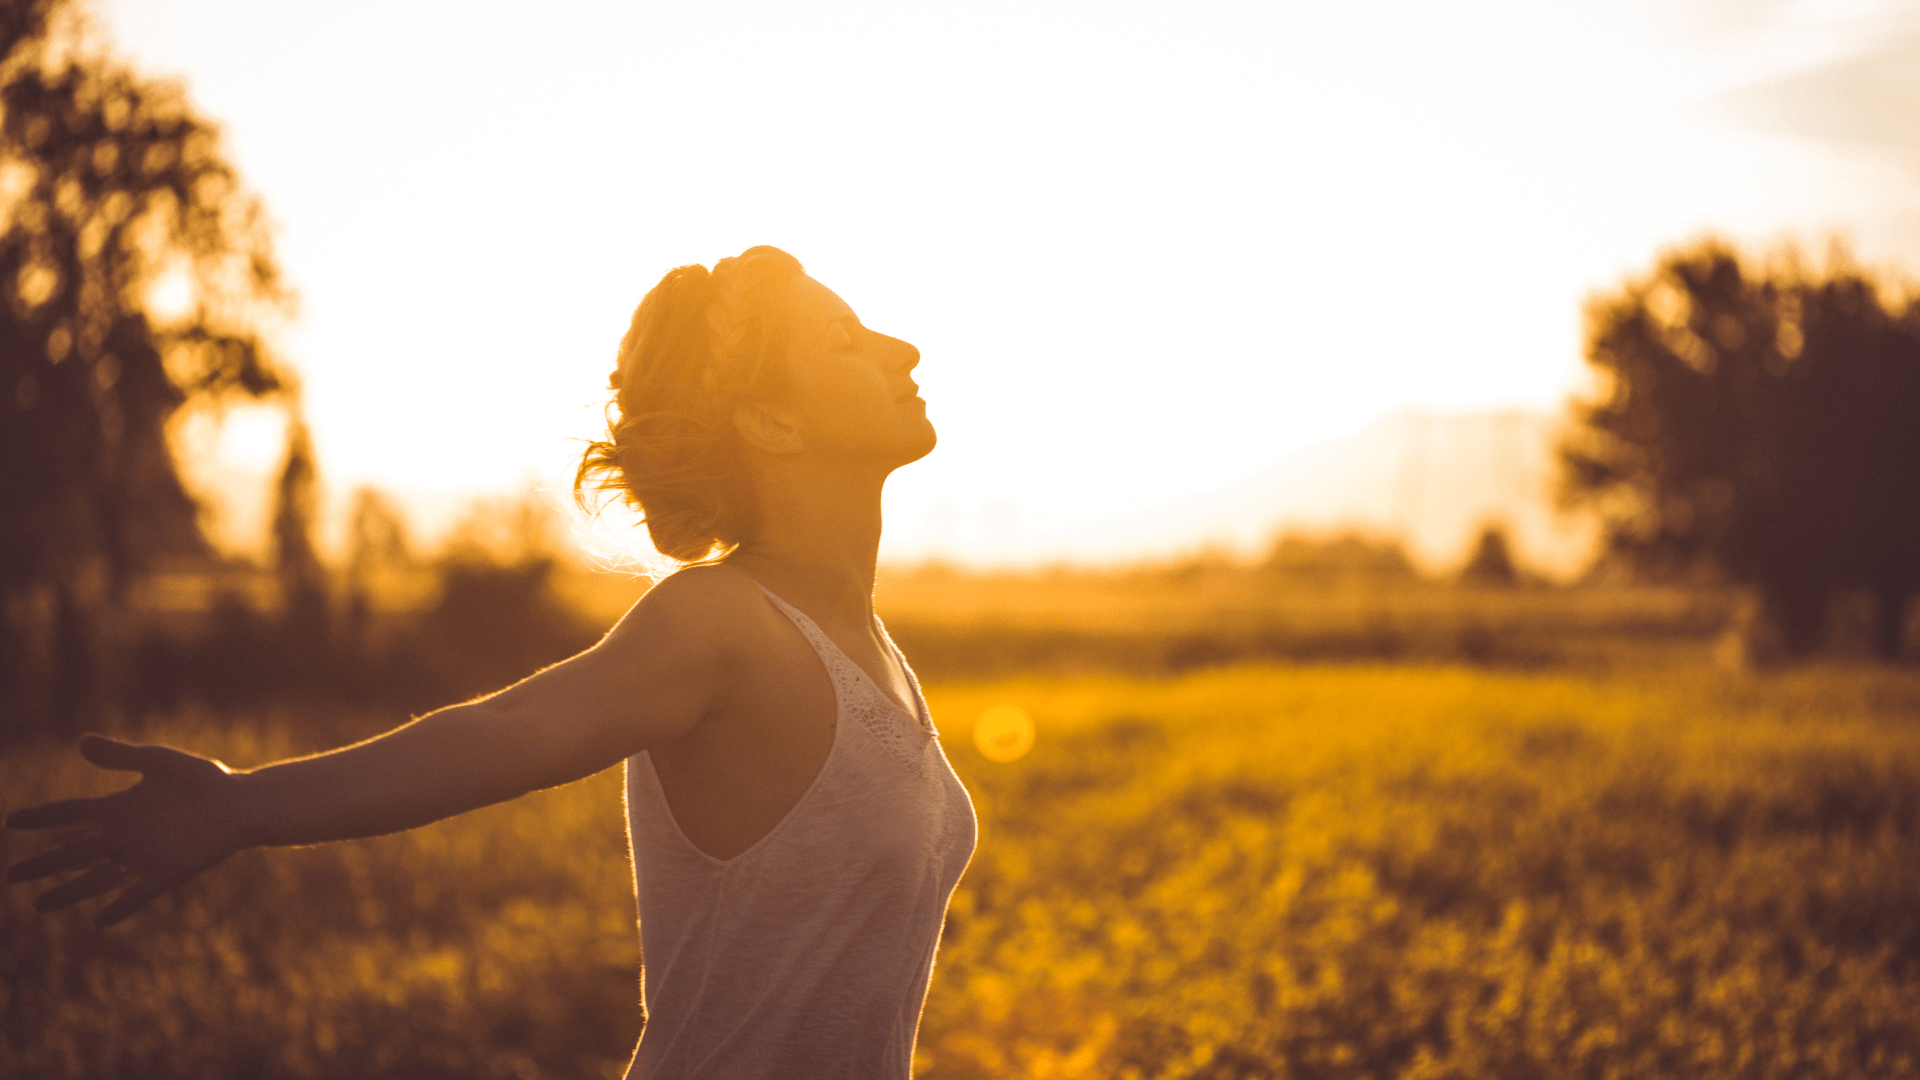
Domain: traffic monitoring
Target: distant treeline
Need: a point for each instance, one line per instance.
(1340, 598)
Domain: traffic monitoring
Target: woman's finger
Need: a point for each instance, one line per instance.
(126, 757)
(92, 883)
(55, 815)
(137, 895)
(68, 856)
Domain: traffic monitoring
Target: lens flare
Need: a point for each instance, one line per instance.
(1003, 733)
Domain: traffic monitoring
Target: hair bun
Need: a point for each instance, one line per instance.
(699, 342)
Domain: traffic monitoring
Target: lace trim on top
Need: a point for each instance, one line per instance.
(905, 736)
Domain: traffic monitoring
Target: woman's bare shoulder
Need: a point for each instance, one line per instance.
(716, 604)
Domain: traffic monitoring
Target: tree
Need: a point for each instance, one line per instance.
(1491, 563)
(1763, 421)
(112, 190)
(305, 619)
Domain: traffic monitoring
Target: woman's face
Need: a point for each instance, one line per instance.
(851, 392)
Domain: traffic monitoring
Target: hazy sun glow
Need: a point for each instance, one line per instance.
(1003, 733)
(1144, 250)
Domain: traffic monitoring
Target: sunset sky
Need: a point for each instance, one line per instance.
(1145, 251)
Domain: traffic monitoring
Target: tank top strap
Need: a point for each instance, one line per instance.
(903, 731)
(830, 653)
(849, 681)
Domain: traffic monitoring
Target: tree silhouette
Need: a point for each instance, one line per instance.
(1765, 422)
(113, 191)
(1491, 563)
(304, 609)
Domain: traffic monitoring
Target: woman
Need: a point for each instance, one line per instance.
(796, 829)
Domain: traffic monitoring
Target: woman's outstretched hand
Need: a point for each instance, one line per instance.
(183, 816)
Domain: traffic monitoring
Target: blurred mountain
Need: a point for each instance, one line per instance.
(1863, 100)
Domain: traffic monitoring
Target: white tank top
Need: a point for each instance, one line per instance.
(808, 954)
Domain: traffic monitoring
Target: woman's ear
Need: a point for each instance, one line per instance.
(767, 427)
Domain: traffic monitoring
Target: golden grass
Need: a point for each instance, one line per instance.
(1323, 871)
(1432, 872)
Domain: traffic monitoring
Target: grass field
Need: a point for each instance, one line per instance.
(1321, 871)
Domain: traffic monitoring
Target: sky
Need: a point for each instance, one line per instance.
(1146, 251)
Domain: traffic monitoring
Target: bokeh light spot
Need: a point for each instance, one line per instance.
(1003, 733)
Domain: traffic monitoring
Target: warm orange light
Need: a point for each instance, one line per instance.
(1471, 171)
(1003, 733)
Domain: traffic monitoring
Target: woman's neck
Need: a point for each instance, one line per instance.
(815, 540)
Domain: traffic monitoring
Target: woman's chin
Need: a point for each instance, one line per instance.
(922, 447)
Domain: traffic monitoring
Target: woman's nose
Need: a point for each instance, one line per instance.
(902, 355)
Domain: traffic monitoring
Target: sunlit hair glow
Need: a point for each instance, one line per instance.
(702, 343)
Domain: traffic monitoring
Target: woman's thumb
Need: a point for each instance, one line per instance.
(114, 754)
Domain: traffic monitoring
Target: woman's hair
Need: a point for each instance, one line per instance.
(701, 343)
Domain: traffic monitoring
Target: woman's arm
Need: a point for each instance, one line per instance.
(651, 679)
